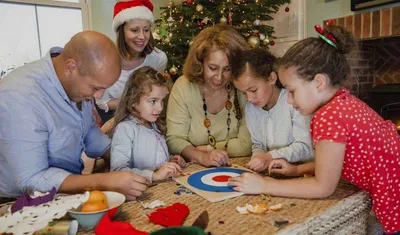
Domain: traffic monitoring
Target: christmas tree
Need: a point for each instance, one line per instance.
(179, 23)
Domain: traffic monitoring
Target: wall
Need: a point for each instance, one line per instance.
(158, 4)
(102, 12)
(319, 10)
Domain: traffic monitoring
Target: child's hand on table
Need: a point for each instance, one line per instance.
(167, 170)
(282, 167)
(179, 160)
(248, 183)
(259, 162)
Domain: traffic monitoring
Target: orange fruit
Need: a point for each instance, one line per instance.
(93, 206)
(98, 197)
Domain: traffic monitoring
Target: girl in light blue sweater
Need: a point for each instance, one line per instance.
(138, 142)
(278, 131)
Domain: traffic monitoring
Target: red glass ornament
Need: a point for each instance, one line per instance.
(167, 75)
(272, 43)
(287, 9)
(190, 2)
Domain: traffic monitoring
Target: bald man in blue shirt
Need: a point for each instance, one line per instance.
(46, 121)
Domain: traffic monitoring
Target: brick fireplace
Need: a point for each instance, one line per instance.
(375, 63)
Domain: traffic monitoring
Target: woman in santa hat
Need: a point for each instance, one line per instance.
(132, 22)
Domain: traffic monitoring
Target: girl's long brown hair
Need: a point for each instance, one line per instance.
(139, 83)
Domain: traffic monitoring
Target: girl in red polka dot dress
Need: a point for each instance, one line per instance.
(350, 139)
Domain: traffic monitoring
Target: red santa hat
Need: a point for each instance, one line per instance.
(132, 9)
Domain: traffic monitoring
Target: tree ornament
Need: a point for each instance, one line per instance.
(254, 41)
(167, 75)
(287, 9)
(199, 7)
(266, 41)
(170, 21)
(156, 36)
(164, 33)
(262, 36)
(167, 40)
(272, 43)
(189, 2)
(170, 3)
(230, 14)
(223, 20)
(257, 22)
(173, 70)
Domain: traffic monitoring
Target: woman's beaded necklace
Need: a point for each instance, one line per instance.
(228, 105)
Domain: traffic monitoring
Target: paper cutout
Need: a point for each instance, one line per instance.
(108, 227)
(26, 200)
(152, 205)
(33, 218)
(173, 215)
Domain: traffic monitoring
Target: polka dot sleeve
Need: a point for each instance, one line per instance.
(328, 125)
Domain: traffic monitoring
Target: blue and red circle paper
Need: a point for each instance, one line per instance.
(214, 180)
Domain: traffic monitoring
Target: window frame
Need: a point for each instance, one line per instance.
(83, 5)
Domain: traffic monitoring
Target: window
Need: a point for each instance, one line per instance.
(29, 28)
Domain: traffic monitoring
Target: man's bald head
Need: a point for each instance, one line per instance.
(88, 65)
(93, 52)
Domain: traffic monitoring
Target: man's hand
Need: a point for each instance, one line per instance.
(128, 183)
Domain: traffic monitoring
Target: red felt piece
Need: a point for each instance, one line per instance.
(170, 216)
(108, 227)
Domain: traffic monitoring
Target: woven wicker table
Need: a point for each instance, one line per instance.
(345, 212)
